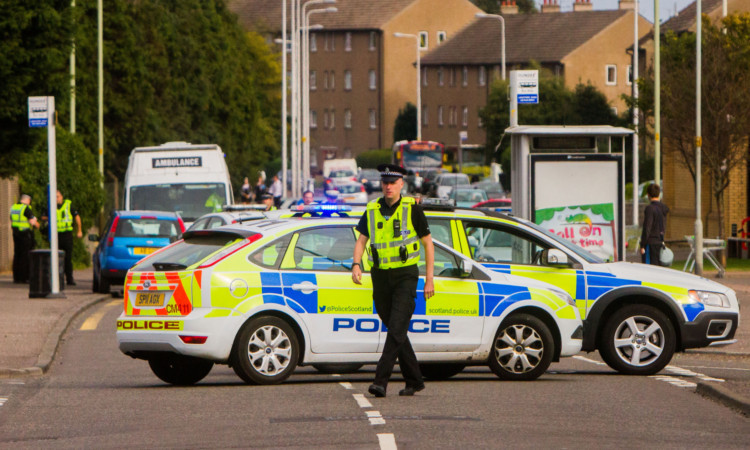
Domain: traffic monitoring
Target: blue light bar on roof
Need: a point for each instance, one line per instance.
(323, 208)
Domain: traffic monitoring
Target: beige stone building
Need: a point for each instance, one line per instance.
(581, 46)
(360, 73)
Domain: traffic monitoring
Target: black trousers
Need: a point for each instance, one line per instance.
(651, 256)
(23, 243)
(65, 242)
(394, 292)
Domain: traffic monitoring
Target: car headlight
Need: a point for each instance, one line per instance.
(565, 296)
(709, 298)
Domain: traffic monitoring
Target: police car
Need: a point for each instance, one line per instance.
(268, 295)
(636, 315)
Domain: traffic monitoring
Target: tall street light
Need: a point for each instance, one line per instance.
(283, 100)
(502, 29)
(419, 87)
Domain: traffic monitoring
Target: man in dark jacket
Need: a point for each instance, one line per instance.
(654, 226)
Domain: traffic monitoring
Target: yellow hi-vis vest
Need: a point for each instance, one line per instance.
(64, 218)
(382, 238)
(17, 218)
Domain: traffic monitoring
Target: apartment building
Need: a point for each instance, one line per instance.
(581, 46)
(360, 73)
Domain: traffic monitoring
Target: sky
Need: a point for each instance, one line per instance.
(667, 8)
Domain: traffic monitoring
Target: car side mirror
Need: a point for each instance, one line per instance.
(556, 257)
(467, 266)
(94, 237)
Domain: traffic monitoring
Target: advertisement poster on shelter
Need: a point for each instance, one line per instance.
(591, 227)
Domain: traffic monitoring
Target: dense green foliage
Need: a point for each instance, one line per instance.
(558, 105)
(372, 158)
(173, 70)
(405, 127)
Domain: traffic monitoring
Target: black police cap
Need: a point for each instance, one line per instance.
(391, 172)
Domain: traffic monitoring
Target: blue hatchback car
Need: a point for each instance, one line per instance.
(128, 237)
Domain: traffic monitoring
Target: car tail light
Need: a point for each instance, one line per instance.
(354, 178)
(230, 250)
(194, 339)
(111, 234)
(182, 224)
(362, 188)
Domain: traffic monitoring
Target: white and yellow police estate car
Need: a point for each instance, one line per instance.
(636, 315)
(269, 295)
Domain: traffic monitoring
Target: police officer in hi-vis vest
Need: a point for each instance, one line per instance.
(21, 221)
(395, 227)
(66, 215)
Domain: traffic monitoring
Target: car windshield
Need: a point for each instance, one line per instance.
(185, 253)
(422, 158)
(348, 188)
(341, 173)
(147, 227)
(190, 201)
(587, 256)
(454, 179)
(369, 174)
(470, 195)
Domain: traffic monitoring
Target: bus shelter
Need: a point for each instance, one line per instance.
(568, 180)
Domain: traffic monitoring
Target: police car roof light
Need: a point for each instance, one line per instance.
(323, 208)
(438, 204)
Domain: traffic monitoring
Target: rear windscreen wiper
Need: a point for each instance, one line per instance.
(169, 266)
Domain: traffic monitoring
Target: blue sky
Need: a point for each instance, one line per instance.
(667, 8)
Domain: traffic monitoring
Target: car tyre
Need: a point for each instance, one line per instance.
(638, 340)
(95, 283)
(266, 351)
(104, 285)
(440, 371)
(338, 367)
(180, 370)
(522, 349)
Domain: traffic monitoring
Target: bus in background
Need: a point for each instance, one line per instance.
(191, 180)
(418, 157)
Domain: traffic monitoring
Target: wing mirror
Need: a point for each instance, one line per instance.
(556, 257)
(467, 266)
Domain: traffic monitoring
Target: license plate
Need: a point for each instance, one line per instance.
(143, 250)
(149, 299)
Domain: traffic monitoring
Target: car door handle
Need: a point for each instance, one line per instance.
(306, 287)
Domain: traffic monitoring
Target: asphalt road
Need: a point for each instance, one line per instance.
(95, 397)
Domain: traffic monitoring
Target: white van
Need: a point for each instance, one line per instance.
(191, 180)
(331, 165)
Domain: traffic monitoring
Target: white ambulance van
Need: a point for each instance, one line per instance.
(191, 180)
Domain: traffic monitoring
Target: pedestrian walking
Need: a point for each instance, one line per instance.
(654, 227)
(246, 192)
(276, 190)
(66, 215)
(260, 188)
(395, 227)
(22, 221)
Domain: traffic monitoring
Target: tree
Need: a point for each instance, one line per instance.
(405, 127)
(557, 106)
(725, 101)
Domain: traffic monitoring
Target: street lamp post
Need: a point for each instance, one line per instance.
(419, 86)
(502, 30)
(284, 56)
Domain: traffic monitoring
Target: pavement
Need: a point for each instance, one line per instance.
(31, 330)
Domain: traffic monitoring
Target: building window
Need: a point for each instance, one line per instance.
(442, 36)
(614, 110)
(480, 124)
(482, 75)
(313, 119)
(348, 119)
(424, 76)
(325, 119)
(314, 80)
(453, 76)
(313, 42)
(373, 80)
(373, 40)
(333, 41)
(373, 121)
(452, 116)
(348, 41)
(332, 81)
(465, 116)
(630, 75)
(333, 119)
(425, 119)
(347, 80)
(424, 43)
(441, 80)
(611, 75)
(440, 116)
(465, 76)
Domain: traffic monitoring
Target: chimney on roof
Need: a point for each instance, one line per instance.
(627, 4)
(550, 6)
(508, 7)
(583, 5)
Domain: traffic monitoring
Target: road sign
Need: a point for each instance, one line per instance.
(527, 86)
(38, 112)
(463, 135)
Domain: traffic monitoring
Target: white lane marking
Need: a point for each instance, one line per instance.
(346, 385)
(674, 381)
(336, 375)
(719, 368)
(375, 418)
(387, 441)
(93, 321)
(3, 400)
(362, 401)
(689, 373)
(583, 358)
